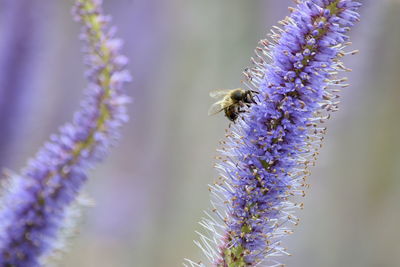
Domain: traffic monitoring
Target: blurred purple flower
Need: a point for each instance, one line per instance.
(18, 60)
(35, 205)
(266, 157)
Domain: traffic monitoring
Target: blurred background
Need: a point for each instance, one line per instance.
(152, 189)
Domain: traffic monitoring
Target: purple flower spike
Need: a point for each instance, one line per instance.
(37, 201)
(265, 158)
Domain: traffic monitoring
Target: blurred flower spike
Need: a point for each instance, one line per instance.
(265, 157)
(34, 207)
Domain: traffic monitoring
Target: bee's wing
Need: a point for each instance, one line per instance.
(219, 93)
(216, 108)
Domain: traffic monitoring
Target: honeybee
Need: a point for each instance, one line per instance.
(232, 103)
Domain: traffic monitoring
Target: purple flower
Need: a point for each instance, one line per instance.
(37, 201)
(266, 156)
(18, 58)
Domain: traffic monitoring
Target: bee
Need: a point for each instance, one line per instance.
(232, 103)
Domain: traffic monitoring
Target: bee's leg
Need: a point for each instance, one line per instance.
(253, 101)
(240, 111)
(244, 105)
(251, 98)
(241, 104)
